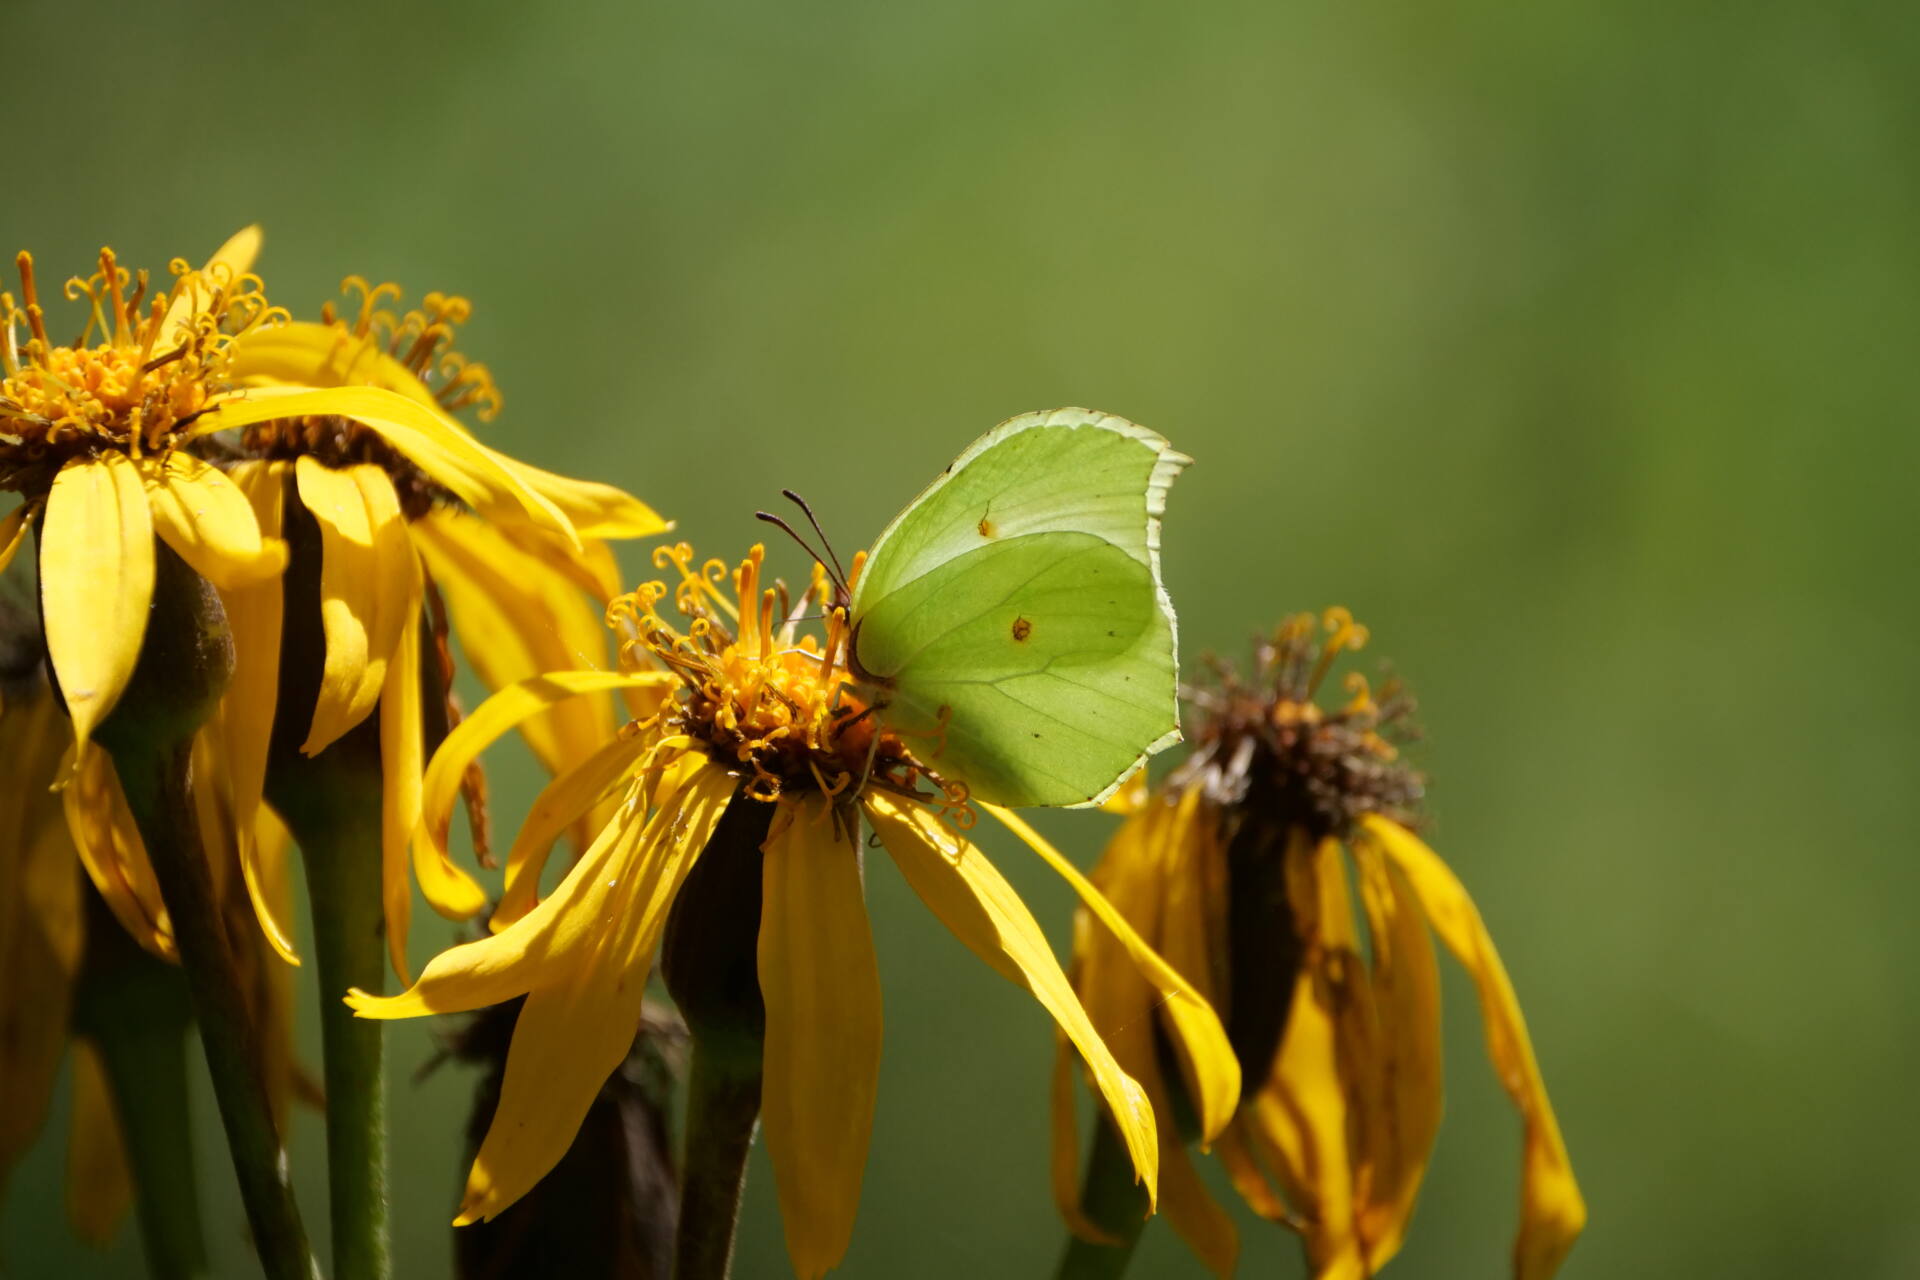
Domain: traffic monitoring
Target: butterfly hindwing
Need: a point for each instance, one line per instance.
(1020, 594)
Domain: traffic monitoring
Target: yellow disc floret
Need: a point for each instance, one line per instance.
(141, 369)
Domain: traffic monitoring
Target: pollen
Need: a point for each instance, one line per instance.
(140, 370)
(1272, 744)
(759, 695)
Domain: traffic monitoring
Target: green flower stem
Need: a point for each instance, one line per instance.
(186, 659)
(708, 959)
(723, 1110)
(155, 777)
(1115, 1203)
(136, 1010)
(332, 806)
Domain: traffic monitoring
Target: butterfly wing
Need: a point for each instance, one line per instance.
(1020, 594)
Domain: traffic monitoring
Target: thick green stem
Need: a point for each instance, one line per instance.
(1115, 1203)
(708, 961)
(156, 778)
(332, 806)
(723, 1110)
(186, 659)
(136, 1010)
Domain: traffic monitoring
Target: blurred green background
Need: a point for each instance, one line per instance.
(1572, 346)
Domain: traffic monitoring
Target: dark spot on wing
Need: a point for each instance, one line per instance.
(1022, 628)
(986, 527)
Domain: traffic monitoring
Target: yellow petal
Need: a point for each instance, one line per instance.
(13, 532)
(39, 921)
(96, 580)
(1552, 1211)
(556, 808)
(206, 518)
(1213, 1073)
(110, 849)
(516, 618)
(1403, 1113)
(822, 1057)
(981, 909)
(1248, 1178)
(254, 613)
(596, 510)
(431, 441)
(99, 1183)
(592, 568)
(304, 353)
(1063, 1156)
(505, 710)
(579, 1021)
(228, 263)
(369, 589)
(448, 889)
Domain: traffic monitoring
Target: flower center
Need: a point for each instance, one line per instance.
(1269, 746)
(137, 374)
(757, 693)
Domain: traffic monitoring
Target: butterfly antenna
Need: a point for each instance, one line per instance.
(826, 542)
(786, 528)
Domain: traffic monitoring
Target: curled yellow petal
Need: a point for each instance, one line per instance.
(559, 804)
(822, 1057)
(431, 441)
(1552, 1211)
(111, 850)
(254, 616)
(596, 510)
(516, 616)
(982, 910)
(1213, 1073)
(580, 1017)
(448, 889)
(370, 587)
(505, 710)
(96, 581)
(209, 521)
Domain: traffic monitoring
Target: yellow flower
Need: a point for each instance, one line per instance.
(745, 719)
(46, 837)
(93, 434)
(1238, 871)
(351, 420)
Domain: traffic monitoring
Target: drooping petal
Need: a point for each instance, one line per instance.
(510, 707)
(447, 889)
(1301, 1120)
(209, 521)
(96, 581)
(40, 921)
(369, 588)
(13, 532)
(516, 618)
(597, 510)
(1552, 1211)
(822, 1058)
(592, 568)
(254, 613)
(982, 910)
(99, 1182)
(430, 440)
(560, 803)
(1213, 1073)
(579, 1021)
(111, 850)
(1063, 1156)
(1405, 1106)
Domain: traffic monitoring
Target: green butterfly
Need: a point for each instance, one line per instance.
(1015, 608)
